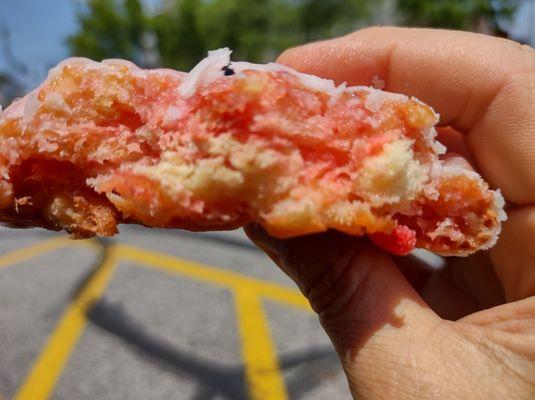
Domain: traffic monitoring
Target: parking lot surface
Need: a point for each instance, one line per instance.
(155, 314)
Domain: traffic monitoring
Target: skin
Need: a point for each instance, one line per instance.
(403, 331)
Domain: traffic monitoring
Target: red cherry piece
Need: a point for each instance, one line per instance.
(400, 241)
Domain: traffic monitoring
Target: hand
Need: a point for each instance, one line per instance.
(402, 331)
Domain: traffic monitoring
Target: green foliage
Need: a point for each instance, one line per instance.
(327, 18)
(109, 28)
(456, 14)
(180, 39)
(239, 24)
(257, 30)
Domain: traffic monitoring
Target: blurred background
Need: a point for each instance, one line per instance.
(155, 314)
(36, 34)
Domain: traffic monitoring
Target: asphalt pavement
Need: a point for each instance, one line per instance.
(155, 314)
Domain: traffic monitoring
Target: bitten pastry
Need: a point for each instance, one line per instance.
(231, 143)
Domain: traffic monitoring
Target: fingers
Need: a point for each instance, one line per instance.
(477, 83)
(372, 314)
(514, 312)
(390, 344)
(455, 142)
(503, 141)
(452, 292)
(465, 285)
(362, 298)
(514, 254)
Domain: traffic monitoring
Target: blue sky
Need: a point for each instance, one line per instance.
(38, 31)
(39, 28)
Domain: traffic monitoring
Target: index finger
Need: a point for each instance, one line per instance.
(478, 84)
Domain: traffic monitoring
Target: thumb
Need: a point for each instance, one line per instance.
(373, 316)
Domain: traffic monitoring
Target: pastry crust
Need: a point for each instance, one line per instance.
(99, 144)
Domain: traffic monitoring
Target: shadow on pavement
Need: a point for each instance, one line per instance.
(312, 367)
(103, 245)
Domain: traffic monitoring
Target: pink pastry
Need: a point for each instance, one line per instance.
(231, 143)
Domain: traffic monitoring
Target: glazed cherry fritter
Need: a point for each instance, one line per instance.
(98, 144)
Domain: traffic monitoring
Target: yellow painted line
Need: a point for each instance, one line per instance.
(34, 250)
(171, 264)
(264, 378)
(37, 249)
(282, 294)
(213, 275)
(45, 372)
